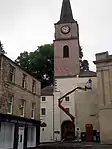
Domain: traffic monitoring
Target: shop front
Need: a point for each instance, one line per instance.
(18, 132)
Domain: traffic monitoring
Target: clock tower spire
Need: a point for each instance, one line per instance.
(66, 13)
(66, 44)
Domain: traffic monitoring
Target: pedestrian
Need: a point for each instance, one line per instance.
(78, 135)
(88, 84)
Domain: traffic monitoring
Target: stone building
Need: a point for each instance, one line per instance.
(104, 73)
(81, 104)
(19, 106)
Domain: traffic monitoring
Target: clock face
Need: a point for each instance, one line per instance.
(65, 29)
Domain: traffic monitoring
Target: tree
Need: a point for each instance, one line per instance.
(39, 63)
(42, 64)
(80, 53)
(2, 51)
(23, 60)
(84, 65)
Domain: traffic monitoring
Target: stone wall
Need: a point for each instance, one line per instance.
(16, 89)
(104, 72)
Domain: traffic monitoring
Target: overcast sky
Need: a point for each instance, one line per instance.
(26, 24)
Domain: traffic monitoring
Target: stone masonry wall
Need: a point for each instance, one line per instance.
(104, 72)
(16, 89)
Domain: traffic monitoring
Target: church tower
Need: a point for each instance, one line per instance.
(66, 44)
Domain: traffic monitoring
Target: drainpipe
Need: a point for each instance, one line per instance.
(53, 116)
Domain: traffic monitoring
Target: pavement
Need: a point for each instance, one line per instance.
(73, 145)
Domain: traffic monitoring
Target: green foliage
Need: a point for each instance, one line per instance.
(2, 51)
(84, 65)
(39, 63)
(80, 52)
(23, 60)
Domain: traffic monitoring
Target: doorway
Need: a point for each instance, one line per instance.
(89, 133)
(67, 130)
(20, 137)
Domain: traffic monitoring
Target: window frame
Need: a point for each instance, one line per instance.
(44, 98)
(44, 112)
(10, 101)
(33, 86)
(33, 110)
(31, 136)
(22, 107)
(24, 81)
(12, 74)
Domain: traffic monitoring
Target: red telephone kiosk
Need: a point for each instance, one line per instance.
(89, 133)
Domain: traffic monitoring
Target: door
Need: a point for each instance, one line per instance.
(20, 137)
(89, 133)
(67, 130)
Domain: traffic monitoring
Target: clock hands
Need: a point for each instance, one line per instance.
(65, 29)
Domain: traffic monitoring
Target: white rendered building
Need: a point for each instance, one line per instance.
(82, 105)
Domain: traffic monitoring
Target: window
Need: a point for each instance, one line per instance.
(33, 86)
(67, 109)
(21, 138)
(12, 74)
(10, 104)
(31, 136)
(66, 51)
(24, 81)
(7, 135)
(33, 110)
(43, 98)
(43, 111)
(67, 98)
(22, 107)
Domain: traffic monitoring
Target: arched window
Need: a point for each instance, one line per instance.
(65, 51)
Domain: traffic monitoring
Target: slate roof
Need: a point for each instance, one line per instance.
(47, 91)
(66, 13)
(88, 73)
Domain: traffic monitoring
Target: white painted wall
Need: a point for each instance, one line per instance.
(47, 134)
(57, 118)
(81, 104)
